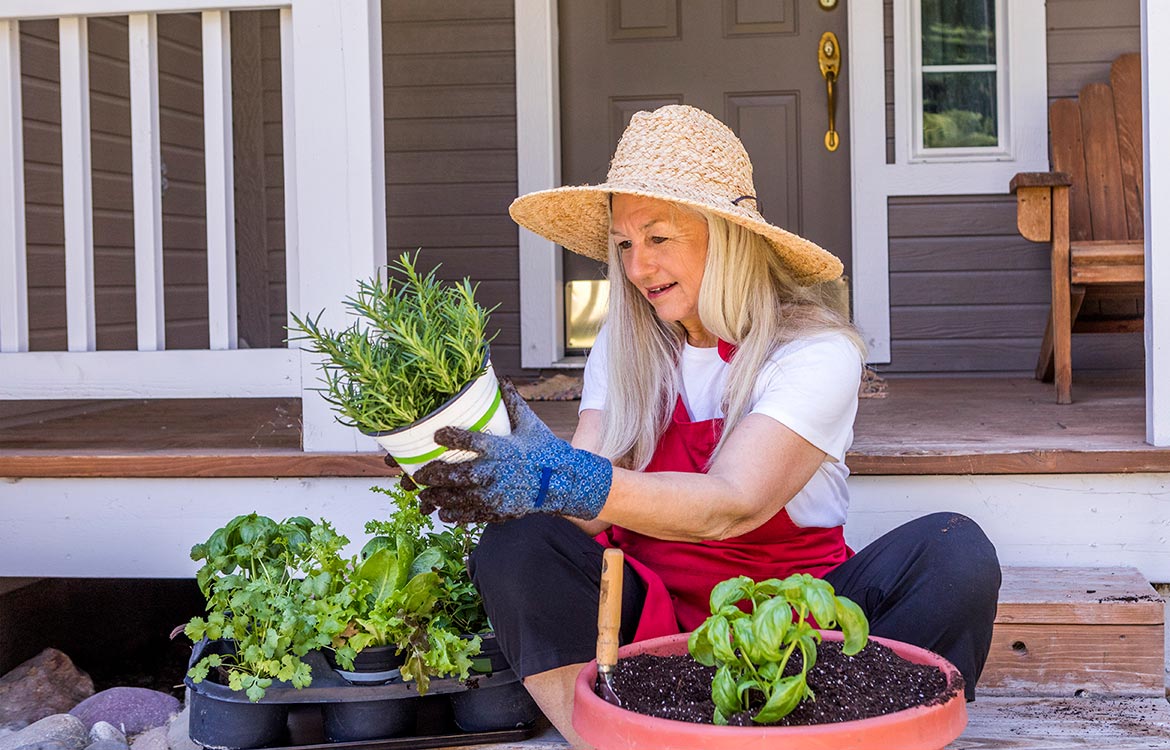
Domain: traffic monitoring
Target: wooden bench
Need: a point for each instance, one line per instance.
(1089, 208)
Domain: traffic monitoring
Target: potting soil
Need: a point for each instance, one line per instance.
(873, 682)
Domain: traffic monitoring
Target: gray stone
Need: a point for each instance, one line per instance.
(107, 745)
(44, 685)
(68, 731)
(151, 739)
(103, 730)
(179, 732)
(131, 709)
(47, 745)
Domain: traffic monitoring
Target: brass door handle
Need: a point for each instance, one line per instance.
(829, 58)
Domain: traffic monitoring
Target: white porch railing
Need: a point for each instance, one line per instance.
(334, 203)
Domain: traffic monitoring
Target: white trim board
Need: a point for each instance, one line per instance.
(1156, 114)
(237, 373)
(1048, 519)
(144, 527)
(30, 9)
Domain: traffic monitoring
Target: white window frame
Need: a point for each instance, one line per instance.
(1002, 149)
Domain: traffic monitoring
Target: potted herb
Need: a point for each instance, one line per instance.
(393, 596)
(772, 666)
(414, 360)
(260, 577)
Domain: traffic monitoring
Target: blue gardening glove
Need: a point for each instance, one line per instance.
(529, 471)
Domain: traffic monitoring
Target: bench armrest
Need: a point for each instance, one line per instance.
(1039, 179)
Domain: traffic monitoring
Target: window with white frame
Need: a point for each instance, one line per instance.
(960, 102)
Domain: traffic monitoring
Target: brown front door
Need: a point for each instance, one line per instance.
(752, 63)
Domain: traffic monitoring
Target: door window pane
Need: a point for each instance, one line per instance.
(958, 110)
(959, 74)
(958, 32)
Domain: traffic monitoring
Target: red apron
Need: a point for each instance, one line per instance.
(679, 576)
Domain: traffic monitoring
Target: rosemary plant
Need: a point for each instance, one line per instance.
(417, 341)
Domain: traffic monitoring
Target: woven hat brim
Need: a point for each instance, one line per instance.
(577, 217)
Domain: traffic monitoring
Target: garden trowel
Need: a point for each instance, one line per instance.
(609, 620)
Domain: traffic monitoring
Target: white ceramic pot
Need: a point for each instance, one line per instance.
(478, 407)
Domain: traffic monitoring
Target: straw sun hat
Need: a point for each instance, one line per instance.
(675, 153)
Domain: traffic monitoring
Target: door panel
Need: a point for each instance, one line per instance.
(752, 63)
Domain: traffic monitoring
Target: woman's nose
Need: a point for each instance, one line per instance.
(639, 260)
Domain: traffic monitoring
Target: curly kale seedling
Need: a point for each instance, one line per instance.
(752, 650)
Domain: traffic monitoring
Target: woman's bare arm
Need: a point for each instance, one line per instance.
(761, 467)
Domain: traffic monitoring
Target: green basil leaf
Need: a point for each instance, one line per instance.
(729, 592)
(743, 687)
(770, 587)
(719, 636)
(769, 671)
(697, 644)
(745, 640)
(723, 691)
(719, 719)
(786, 696)
(256, 528)
(822, 605)
(771, 622)
(853, 624)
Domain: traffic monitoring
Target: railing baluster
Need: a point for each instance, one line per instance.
(221, 229)
(147, 166)
(77, 184)
(13, 262)
(292, 262)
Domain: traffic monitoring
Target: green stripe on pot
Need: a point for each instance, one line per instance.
(479, 425)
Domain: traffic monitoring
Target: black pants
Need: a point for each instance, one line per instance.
(932, 582)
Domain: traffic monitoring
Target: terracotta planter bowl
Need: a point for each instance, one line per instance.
(608, 727)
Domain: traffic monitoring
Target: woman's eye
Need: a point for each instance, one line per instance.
(658, 240)
(624, 245)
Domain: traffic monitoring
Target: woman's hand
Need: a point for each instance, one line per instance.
(529, 471)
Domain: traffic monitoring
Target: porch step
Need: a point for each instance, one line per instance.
(1075, 632)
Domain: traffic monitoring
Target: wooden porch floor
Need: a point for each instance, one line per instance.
(1020, 724)
(922, 426)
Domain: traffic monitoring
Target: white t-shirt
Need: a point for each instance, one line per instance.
(809, 386)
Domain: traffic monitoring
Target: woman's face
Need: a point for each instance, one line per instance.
(663, 251)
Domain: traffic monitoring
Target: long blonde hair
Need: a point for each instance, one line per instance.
(747, 298)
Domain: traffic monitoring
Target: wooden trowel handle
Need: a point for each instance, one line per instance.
(609, 610)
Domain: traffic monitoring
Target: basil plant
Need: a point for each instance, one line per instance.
(752, 650)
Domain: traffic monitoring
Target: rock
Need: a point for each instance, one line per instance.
(103, 730)
(62, 729)
(48, 745)
(179, 732)
(107, 745)
(151, 739)
(44, 685)
(131, 709)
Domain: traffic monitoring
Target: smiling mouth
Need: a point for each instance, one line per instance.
(658, 291)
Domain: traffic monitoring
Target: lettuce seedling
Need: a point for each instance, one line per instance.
(752, 650)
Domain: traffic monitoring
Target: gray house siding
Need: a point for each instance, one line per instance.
(967, 293)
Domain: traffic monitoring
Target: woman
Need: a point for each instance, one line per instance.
(717, 409)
